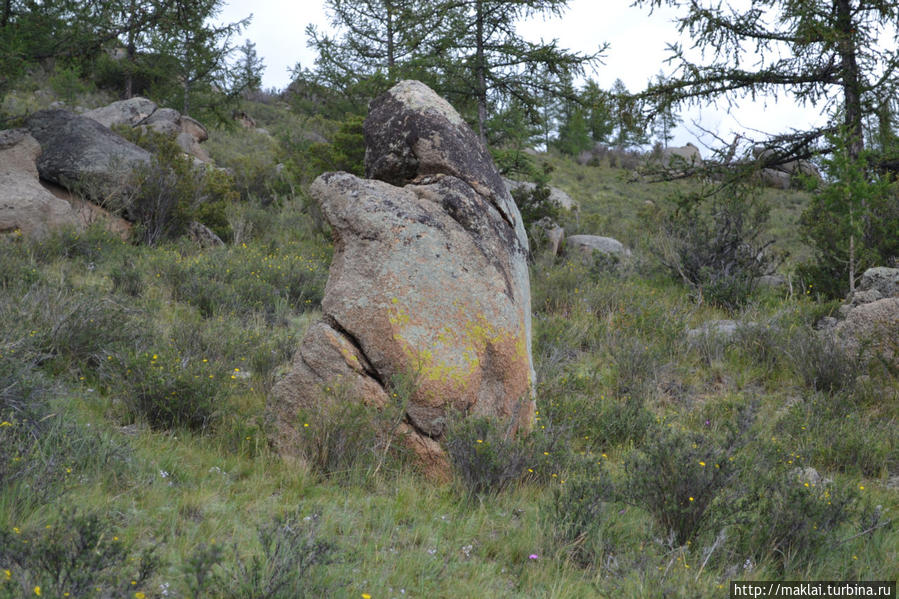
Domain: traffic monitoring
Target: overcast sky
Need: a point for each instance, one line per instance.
(636, 54)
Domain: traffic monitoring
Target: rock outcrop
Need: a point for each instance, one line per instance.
(141, 112)
(429, 280)
(25, 205)
(80, 152)
(869, 323)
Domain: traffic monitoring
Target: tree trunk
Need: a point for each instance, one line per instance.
(7, 9)
(850, 77)
(391, 58)
(130, 54)
(481, 73)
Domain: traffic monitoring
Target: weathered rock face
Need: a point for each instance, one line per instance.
(873, 329)
(429, 279)
(24, 204)
(881, 279)
(124, 112)
(79, 150)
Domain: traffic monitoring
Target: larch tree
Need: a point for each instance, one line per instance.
(482, 58)
(834, 53)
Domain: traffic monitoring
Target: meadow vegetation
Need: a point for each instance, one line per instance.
(134, 453)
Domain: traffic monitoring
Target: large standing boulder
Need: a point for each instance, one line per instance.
(429, 279)
(79, 151)
(24, 204)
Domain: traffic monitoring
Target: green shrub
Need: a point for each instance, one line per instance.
(341, 436)
(713, 241)
(535, 203)
(165, 196)
(346, 153)
(820, 361)
(788, 519)
(67, 83)
(253, 161)
(676, 476)
(77, 555)
(248, 279)
(127, 279)
(93, 245)
(852, 223)
(574, 517)
(488, 460)
(285, 568)
(170, 390)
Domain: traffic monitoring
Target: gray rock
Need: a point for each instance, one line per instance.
(203, 235)
(125, 112)
(189, 145)
(872, 330)
(681, 157)
(723, 329)
(881, 279)
(547, 229)
(775, 281)
(775, 178)
(163, 115)
(864, 297)
(809, 475)
(25, 205)
(194, 128)
(78, 151)
(585, 245)
(429, 278)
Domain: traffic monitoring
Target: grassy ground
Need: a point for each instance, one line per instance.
(133, 383)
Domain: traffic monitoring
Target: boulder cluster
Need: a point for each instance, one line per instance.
(60, 157)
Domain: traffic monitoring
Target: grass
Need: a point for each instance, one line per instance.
(623, 393)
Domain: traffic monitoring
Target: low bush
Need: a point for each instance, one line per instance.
(291, 550)
(170, 390)
(713, 241)
(165, 196)
(820, 361)
(787, 518)
(248, 279)
(488, 459)
(78, 555)
(574, 517)
(677, 475)
(341, 436)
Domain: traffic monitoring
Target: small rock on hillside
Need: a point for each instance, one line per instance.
(585, 245)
